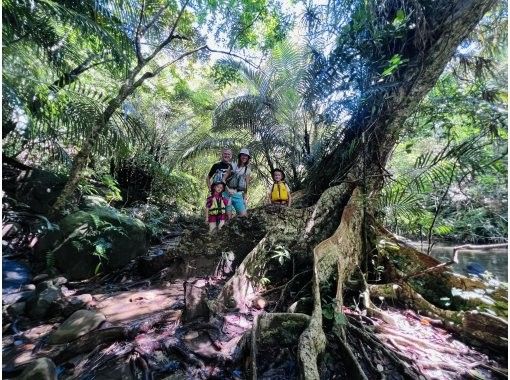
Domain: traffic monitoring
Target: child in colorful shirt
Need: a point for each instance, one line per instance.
(279, 193)
(216, 207)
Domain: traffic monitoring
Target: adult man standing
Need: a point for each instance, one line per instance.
(220, 171)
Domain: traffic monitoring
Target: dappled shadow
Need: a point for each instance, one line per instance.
(128, 306)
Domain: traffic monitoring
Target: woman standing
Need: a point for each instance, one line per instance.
(238, 182)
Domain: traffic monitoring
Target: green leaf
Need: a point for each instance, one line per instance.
(443, 229)
(328, 312)
(101, 250)
(340, 319)
(399, 18)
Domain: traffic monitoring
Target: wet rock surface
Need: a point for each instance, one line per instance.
(129, 322)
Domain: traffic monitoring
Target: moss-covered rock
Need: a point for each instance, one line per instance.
(100, 235)
(91, 201)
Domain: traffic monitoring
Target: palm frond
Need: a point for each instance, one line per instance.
(51, 28)
(397, 200)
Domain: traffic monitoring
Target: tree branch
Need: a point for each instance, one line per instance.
(153, 20)
(231, 54)
(72, 76)
(138, 35)
(242, 30)
(183, 55)
(171, 35)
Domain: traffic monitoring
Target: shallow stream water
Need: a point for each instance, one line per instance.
(494, 261)
(15, 274)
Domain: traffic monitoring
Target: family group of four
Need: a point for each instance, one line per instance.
(229, 181)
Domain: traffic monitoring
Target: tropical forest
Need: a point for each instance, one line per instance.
(254, 189)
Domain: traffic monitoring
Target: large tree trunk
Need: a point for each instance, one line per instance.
(334, 235)
(382, 113)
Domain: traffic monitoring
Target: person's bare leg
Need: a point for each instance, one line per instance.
(222, 223)
(212, 227)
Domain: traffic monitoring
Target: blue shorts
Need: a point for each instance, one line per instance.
(236, 202)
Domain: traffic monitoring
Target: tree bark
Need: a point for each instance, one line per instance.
(383, 113)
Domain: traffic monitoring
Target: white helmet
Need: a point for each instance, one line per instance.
(245, 151)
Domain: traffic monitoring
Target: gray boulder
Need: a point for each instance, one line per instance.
(43, 285)
(16, 309)
(39, 306)
(39, 369)
(10, 298)
(78, 324)
(40, 277)
(67, 306)
(28, 287)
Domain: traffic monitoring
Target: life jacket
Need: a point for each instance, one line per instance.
(279, 192)
(217, 206)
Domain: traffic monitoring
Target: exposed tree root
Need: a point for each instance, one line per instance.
(139, 360)
(417, 343)
(374, 311)
(351, 361)
(102, 355)
(484, 328)
(286, 285)
(174, 346)
(414, 263)
(282, 294)
(274, 329)
(477, 327)
(312, 341)
(239, 291)
(407, 295)
(96, 338)
(335, 257)
(88, 342)
(403, 365)
(283, 229)
(341, 251)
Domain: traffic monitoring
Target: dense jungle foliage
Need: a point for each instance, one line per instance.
(250, 74)
(388, 118)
